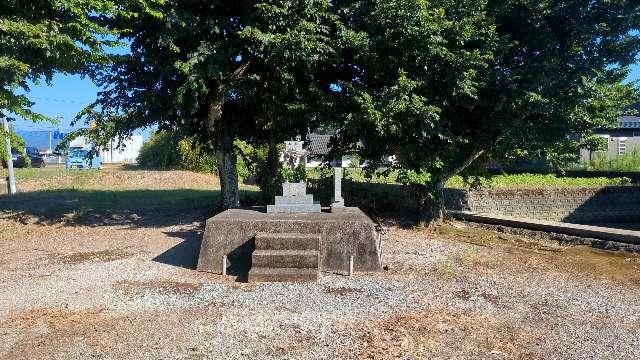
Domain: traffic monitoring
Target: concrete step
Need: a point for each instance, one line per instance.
(299, 259)
(287, 241)
(258, 274)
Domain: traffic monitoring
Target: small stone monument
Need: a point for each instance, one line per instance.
(294, 197)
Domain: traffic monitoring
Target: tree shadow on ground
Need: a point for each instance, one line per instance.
(135, 208)
(186, 253)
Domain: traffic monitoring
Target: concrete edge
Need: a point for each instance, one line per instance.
(585, 231)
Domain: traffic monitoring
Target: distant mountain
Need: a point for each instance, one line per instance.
(38, 139)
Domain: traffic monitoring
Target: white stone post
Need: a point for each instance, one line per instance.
(12, 176)
(338, 201)
(224, 265)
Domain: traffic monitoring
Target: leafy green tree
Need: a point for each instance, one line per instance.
(440, 85)
(217, 71)
(16, 142)
(594, 143)
(41, 37)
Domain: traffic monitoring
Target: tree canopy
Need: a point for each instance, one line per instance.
(42, 37)
(219, 71)
(439, 84)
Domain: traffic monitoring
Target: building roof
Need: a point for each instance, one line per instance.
(319, 144)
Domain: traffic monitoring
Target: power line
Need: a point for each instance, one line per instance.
(65, 101)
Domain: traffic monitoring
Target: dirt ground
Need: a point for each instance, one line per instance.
(117, 281)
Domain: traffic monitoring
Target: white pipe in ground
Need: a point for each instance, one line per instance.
(351, 265)
(224, 265)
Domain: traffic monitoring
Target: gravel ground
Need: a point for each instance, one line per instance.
(129, 291)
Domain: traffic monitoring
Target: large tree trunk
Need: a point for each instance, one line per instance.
(430, 197)
(228, 174)
(224, 134)
(430, 203)
(225, 157)
(272, 184)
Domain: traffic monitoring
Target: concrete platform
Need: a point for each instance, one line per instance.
(586, 231)
(344, 234)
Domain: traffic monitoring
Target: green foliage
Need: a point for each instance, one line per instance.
(163, 151)
(297, 174)
(594, 143)
(17, 143)
(160, 152)
(497, 181)
(42, 37)
(194, 157)
(442, 84)
(626, 162)
(255, 159)
(531, 180)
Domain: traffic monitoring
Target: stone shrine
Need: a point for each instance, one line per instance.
(293, 240)
(294, 197)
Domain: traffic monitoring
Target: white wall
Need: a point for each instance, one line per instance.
(347, 161)
(127, 154)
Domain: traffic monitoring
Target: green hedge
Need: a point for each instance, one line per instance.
(532, 180)
(163, 152)
(501, 181)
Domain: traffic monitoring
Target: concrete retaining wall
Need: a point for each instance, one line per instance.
(569, 204)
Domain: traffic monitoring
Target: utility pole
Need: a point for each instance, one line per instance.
(12, 175)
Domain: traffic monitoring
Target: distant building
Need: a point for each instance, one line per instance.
(318, 147)
(127, 154)
(621, 140)
(111, 154)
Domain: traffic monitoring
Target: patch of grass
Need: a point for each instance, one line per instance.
(454, 262)
(57, 177)
(534, 180)
(36, 173)
(627, 162)
(514, 180)
(501, 181)
(446, 267)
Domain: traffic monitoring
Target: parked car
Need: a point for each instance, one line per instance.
(19, 161)
(83, 159)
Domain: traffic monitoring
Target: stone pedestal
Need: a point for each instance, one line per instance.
(341, 235)
(294, 199)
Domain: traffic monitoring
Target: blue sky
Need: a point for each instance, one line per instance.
(68, 94)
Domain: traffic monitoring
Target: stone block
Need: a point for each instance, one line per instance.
(296, 199)
(348, 233)
(294, 208)
(294, 189)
